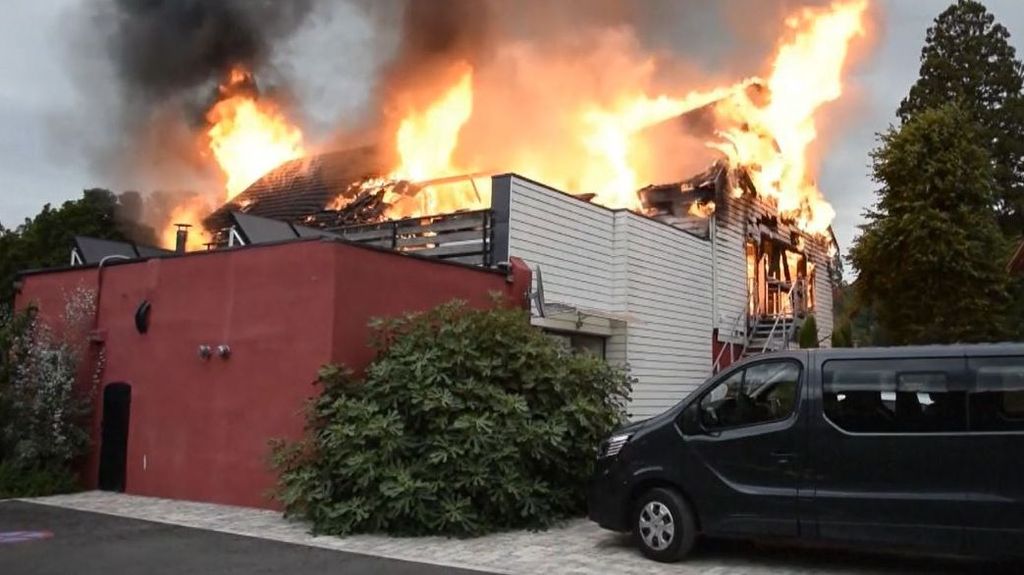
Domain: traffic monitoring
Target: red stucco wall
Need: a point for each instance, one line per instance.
(199, 428)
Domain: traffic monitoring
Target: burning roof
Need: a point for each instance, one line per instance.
(300, 188)
(530, 112)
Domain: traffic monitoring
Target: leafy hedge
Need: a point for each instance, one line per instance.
(44, 414)
(16, 481)
(468, 421)
(809, 333)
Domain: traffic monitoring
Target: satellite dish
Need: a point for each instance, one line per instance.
(538, 294)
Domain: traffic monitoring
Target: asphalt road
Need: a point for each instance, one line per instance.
(93, 544)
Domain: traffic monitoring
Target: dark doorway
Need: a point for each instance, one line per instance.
(117, 400)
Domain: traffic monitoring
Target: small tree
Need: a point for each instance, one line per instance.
(931, 256)
(44, 241)
(809, 333)
(44, 414)
(968, 58)
(842, 335)
(468, 421)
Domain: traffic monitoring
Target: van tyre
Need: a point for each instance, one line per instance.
(663, 525)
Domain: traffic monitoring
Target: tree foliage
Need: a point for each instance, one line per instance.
(967, 58)
(857, 320)
(468, 421)
(44, 414)
(46, 239)
(808, 335)
(931, 257)
(842, 335)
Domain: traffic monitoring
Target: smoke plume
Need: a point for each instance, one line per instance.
(163, 48)
(532, 62)
(147, 70)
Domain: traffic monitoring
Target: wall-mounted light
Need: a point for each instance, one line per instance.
(205, 352)
(224, 351)
(142, 317)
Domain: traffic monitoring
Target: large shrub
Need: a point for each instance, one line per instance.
(44, 415)
(808, 337)
(468, 421)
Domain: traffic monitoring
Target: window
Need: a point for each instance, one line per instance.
(896, 395)
(761, 393)
(580, 342)
(997, 397)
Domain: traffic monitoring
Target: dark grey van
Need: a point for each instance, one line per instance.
(916, 447)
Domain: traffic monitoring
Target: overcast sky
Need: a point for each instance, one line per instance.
(38, 100)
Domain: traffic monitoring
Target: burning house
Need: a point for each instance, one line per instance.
(672, 234)
(706, 274)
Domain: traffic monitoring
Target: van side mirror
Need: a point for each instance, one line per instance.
(690, 421)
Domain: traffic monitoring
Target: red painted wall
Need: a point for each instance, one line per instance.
(199, 428)
(725, 353)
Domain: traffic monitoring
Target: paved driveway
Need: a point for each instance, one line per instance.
(42, 540)
(578, 547)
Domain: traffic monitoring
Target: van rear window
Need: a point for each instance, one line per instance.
(997, 396)
(895, 395)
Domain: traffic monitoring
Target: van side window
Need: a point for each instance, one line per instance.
(997, 397)
(761, 393)
(895, 395)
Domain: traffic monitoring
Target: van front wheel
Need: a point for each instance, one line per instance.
(663, 525)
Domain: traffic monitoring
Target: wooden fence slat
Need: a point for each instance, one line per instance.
(444, 238)
(450, 250)
(461, 237)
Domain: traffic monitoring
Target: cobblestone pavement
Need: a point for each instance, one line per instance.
(576, 547)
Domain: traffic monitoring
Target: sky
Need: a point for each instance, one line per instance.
(41, 115)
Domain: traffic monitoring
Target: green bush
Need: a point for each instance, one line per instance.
(842, 336)
(468, 421)
(16, 481)
(44, 413)
(809, 333)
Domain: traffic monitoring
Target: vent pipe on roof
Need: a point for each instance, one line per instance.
(181, 238)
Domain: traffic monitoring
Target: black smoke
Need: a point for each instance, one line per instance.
(162, 48)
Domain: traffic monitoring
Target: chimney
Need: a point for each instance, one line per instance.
(181, 239)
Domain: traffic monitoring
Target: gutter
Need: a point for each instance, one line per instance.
(713, 235)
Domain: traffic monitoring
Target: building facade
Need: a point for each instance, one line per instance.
(203, 359)
(673, 301)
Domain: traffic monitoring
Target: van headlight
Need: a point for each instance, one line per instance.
(613, 445)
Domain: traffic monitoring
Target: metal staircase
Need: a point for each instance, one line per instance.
(765, 333)
(770, 333)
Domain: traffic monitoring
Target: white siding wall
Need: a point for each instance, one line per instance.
(823, 302)
(668, 297)
(617, 350)
(731, 274)
(571, 241)
(657, 276)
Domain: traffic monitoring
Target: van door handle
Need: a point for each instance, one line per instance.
(784, 456)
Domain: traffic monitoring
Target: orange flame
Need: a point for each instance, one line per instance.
(426, 140)
(702, 209)
(765, 127)
(766, 131)
(249, 136)
(608, 137)
(771, 141)
(190, 212)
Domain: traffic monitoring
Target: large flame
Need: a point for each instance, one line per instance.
(189, 212)
(609, 138)
(248, 135)
(763, 126)
(425, 141)
(556, 117)
(771, 141)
